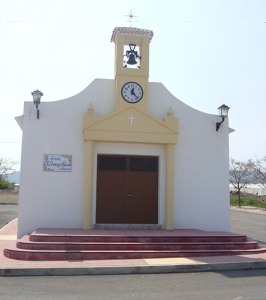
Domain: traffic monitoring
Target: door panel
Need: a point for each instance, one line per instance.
(127, 190)
(144, 199)
(111, 193)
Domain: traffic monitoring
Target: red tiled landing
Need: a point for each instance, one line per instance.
(96, 244)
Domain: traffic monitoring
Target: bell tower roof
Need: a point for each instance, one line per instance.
(131, 30)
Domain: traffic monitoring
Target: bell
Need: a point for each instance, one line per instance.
(131, 59)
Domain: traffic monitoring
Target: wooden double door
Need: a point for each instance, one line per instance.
(127, 189)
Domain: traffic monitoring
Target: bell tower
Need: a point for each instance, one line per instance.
(131, 66)
(130, 123)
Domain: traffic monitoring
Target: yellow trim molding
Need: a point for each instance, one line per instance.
(135, 126)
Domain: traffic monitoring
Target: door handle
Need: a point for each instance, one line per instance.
(129, 196)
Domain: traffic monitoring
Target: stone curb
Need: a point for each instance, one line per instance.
(188, 268)
(252, 210)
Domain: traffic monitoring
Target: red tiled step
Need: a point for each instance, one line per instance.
(80, 244)
(136, 237)
(22, 254)
(25, 243)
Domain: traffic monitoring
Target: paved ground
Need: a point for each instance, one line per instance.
(7, 213)
(233, 285)
(9, 267)
(251, 222)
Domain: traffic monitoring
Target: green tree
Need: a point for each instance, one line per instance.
(7, 166)
(240, 176)
(258, 167)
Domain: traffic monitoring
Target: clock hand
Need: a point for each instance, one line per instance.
(133, 93)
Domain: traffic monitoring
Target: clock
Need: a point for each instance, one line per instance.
(132, 92)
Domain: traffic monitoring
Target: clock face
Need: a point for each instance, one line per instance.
(132, 92)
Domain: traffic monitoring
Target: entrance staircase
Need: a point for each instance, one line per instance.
(99, 244)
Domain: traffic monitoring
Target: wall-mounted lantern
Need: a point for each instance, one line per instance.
(223, 113)
(37, 100)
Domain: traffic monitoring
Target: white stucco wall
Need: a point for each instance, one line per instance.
(48, 199)
(56, 199)
(201, 164)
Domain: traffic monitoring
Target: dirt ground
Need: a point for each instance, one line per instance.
(8, 197)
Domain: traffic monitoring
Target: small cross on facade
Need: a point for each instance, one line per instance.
(131, 119)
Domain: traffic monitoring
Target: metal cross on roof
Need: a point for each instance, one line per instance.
(130, 16)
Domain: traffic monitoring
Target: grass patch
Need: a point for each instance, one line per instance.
(247, 200)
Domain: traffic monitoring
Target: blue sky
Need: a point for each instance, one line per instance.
(205, 52)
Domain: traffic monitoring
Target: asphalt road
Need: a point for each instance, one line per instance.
(234, 285)
(7, 214)
(251, 224)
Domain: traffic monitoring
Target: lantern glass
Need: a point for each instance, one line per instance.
(223, 110)
(37, 96)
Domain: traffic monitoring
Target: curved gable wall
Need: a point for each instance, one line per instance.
(201, 193)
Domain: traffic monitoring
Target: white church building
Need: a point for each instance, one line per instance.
(123, 152)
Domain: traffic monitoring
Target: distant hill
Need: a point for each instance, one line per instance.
(13, 177)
